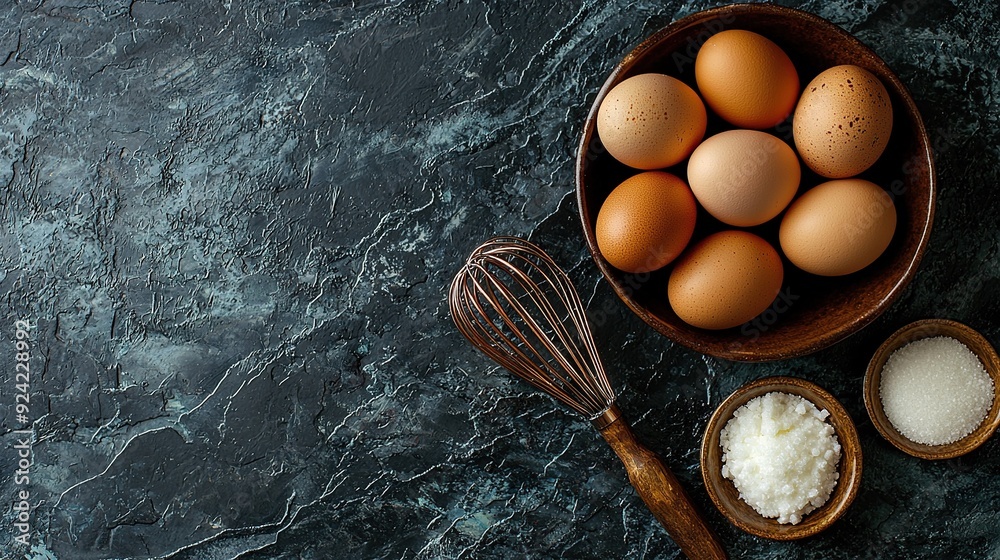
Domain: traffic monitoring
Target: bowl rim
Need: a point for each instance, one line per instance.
(926, 328)
(743, 352)
(850, 467)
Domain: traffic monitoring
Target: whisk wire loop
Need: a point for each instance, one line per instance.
(519, 308)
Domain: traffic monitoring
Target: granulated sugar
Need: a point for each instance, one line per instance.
(935, 390)
(781, 455)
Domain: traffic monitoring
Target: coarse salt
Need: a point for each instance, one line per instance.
(781, 455)
(935, 390)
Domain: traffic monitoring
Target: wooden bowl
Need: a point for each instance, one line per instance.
(724, 494)
(916, 331)
(812, 312)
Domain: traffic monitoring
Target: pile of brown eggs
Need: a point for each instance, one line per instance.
(744, 177)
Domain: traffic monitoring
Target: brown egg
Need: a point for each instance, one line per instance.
(744, 177)
(746, 79)
(651, 121)
(725, 280)
(842, 122)
(646, 222)
(838, 227)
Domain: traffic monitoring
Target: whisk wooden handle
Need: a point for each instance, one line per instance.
(663, 494)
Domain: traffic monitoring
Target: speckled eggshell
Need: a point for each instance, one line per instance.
(842, 122)
(651, 121)
(744, 177)
(725, 280)
(838, 227)
(646, 222)
(746, 79)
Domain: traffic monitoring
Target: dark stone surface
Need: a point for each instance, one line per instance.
(232, 224)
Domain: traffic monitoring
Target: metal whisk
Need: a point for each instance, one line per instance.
(518, 307)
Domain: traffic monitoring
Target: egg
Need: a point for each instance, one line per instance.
(746, 79)
(842, 122)
(744, 177)
(651, 121)
(838, 227)
(646, 222)
(725, 280)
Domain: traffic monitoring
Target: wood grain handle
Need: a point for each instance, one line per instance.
(662, 492)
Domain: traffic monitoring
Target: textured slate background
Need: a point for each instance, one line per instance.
(233, 224)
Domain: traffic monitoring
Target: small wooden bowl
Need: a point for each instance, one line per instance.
(812, 312)
(916, 331)
(724, 494)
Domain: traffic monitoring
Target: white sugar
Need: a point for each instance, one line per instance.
(935, 390)
(781, 455)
